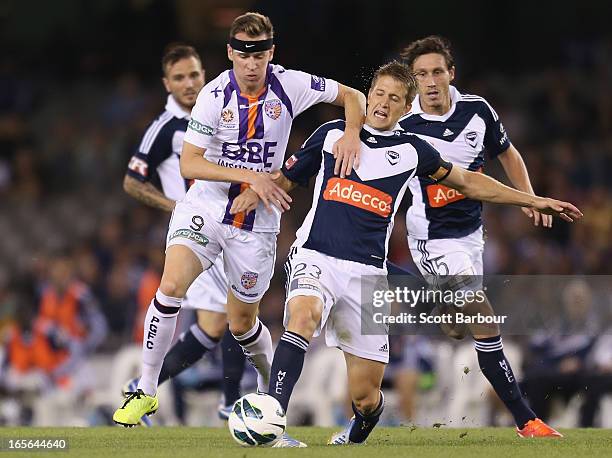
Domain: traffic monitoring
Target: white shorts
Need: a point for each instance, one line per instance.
(209, 290)
(450, 257)
(248, 257)
(338, 283)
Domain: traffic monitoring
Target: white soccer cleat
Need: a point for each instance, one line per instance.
(342, 438)
(224, 411)
(286, 441)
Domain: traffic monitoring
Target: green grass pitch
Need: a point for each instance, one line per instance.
(384, 443)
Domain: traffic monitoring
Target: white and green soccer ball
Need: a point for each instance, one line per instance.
(257, 419)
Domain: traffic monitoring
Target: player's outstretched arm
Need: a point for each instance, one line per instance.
(346, 149)
(148, 194)
(516, 170)
(195, 167)
(482, 187)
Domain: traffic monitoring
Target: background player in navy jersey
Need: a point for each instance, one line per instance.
(445, 233)
(237, 135)
(341, 249)
(153, 177)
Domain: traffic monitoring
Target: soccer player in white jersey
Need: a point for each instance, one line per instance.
(237, 134)
(445, 232)
(340, 252)
(153, 177)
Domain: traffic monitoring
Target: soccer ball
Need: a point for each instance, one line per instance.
(257, 419)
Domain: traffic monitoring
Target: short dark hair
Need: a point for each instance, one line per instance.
(253, 24)
(400, 72)
(175, 52)
(428, 45)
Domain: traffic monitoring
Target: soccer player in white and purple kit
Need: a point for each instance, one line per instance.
(153, 178)
(237, 135)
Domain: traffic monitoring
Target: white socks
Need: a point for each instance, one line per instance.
(257, 346)
(159, 326)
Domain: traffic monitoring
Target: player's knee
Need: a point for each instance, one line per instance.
(457, 332)
(367, 401)
(171, 288)
(242, 323)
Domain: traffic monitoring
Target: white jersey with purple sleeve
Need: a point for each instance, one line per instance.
(249, 132)
(352, 218)
(462, 136)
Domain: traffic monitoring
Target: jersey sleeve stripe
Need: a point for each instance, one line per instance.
(227, 93)
(243, 118)
(322, 130)
(277, 88)
(476, 98)
(153, 131)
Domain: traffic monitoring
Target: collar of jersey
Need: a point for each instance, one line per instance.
(384, 133)
(416, 107)
(173, 107)
(257, 96)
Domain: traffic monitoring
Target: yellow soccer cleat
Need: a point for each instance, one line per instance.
(136, 405)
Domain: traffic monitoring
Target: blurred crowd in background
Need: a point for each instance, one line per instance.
(80, 259)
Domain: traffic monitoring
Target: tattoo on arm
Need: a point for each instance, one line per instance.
(147, 194)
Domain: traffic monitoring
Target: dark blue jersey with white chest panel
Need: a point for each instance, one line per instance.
(158, 155)
(462, 136)
(351, 218)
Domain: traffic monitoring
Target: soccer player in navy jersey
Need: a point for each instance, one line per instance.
(445, 232)
(341, 247)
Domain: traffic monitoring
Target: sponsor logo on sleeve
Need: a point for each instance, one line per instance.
(317, 83)
(289, 163)
(200, 128)
(139, 166)
(358, 195)
(502, 131)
